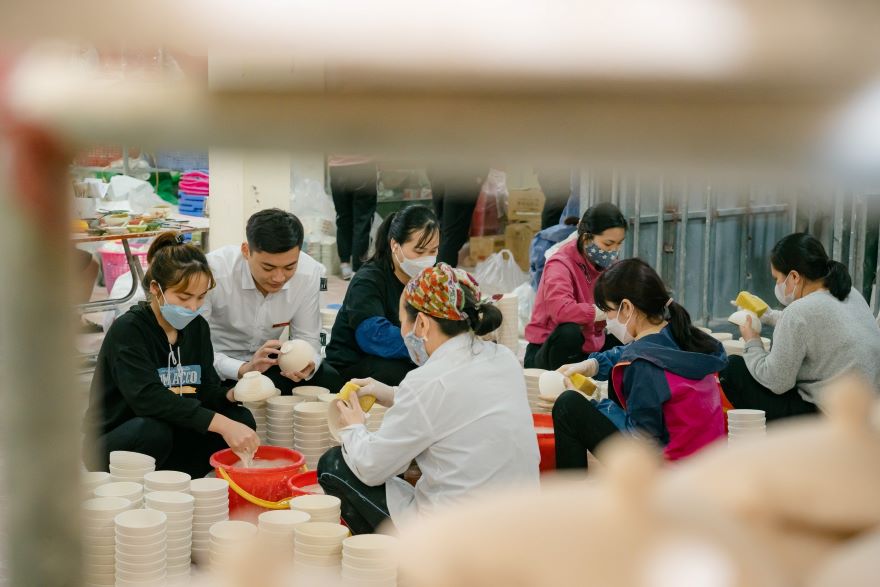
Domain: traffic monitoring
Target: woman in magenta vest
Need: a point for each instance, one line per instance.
(665, 377)
(566, 325)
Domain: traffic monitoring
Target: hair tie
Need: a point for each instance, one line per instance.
(180, 239)
(668, 303)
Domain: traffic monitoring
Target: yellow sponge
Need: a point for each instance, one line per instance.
(366, 401)
(584, 384)
(751, 302)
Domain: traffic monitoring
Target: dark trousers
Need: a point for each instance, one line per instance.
(454, 202)
(743, 391)
(364, 508)
(326, 376)
(354, 196)
(556, 185)
(388, 371)
(563, 346)
(579, 427)
(174, 448)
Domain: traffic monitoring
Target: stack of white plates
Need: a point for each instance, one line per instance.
(230, 539)
(258, 409)
(130, 466)
(140, 548)
(92, 480)
(99, 538)
(166, 481)
(328, 318)
(310, 393)
(310, 431)
(211, 506)
(319, 545)
(178, 507)
(134, 492)
(508, 333)
(277, 530)
(321, 508)
(279, 418)
(532, 376)
(745, 425)
(370, 559)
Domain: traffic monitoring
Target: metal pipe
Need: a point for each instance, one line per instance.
(614, 188)
(137, 277)
(682, 246)
(661, 210)
(877, 276)
(707, 251)
(793, 210)
(744, 244)
(637, 224)
(719, 213)
(860, 227)
(837, 217)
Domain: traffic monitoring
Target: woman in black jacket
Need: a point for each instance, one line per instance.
(155, 390)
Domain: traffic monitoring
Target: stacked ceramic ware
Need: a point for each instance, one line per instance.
(134, 492)
(745, 425)
(178, 507)
(130, 466)
(141, 548)
(277, 530)
(532, 389)
(328, 318)
(92, 480)
(230, 539)
(310, 393)
(508, 333)
(310, 431)
(99, 538)
(258, 409)
(279, 418)
(733, 347)
(369, 560)
(211, 506)
(321, 508)
(318, 546)
(166, 481)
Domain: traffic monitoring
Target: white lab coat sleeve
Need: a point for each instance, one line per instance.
(305, 324)
(405, 433)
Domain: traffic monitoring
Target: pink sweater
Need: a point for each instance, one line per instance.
(566, 295)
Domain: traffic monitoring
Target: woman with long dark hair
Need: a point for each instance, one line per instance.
(566, 324)
(665, 378)
(825, 330)
(366, 340)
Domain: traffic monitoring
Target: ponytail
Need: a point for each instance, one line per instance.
(689, 337)
(172, 263)
(838, 280)
(805, 254)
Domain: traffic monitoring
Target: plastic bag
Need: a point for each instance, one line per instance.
(491, 204)
(499, 274)
(314, 208)
(526, 297)
(374, 230)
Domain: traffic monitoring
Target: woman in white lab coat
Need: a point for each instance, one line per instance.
(463, 414)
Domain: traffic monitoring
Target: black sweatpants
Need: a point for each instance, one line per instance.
(174, 448)
(579, 427)
(563, 346)
(743, 391)
(364, 508)
(354, 197)
(454, 202)
(388, 371)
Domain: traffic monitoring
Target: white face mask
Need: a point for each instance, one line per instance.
(786, 299)
(417, 347)
(413, 267)
(619, 330)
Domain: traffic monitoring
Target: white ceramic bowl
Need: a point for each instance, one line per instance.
(105, 507)
(254, 387)
(318, 549)
(170, 501)
(284, 402)
(128, 459)
(358, 562)
(311, 392)
(746, 414)
(141, 522)
(205, 500)
(127, 489)
(283, 520)
(232, 531)
(367, 545)
(311, 444)
(321, 533)
(141, 559)
(295, 356)
(155, 547)
(208, 487)
(375, 574)
(310, 410)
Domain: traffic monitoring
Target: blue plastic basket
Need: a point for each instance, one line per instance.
(192, 205)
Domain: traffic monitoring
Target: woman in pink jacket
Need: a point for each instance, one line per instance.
(566, 325)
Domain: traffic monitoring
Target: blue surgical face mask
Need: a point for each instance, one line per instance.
(177, 316)
(416, 347)
(599, 257)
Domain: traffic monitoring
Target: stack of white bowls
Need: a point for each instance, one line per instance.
(370, 560)
(279, 418)
(328, 318)
(321, 508)
(99, 538)
(508, 333)
(532, 389)
(318, 545)
(310, 431)
(92, 480)
(130, 466)
(310, 393)
(166, 481)
(277, 531)
(179, 508)
(230, 539)
(258, 409)
(140, 548)
(211, 506)
(745, 425)
(734, 347)
(134, 492)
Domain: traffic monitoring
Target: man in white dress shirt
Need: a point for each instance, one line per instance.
(263, 286)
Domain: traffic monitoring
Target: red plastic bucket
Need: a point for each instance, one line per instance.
(546, 441)
(270, 484)
(299, 484)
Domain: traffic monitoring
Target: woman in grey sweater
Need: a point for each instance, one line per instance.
(826, 330)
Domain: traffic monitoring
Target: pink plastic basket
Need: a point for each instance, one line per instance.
(115, 264)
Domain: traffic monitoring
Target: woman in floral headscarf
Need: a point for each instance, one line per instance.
(462, 415)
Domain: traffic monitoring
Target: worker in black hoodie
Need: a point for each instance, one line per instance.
(155, 390)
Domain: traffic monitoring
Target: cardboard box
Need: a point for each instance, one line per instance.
(518, 237)
(482, 247)
(525, 206)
